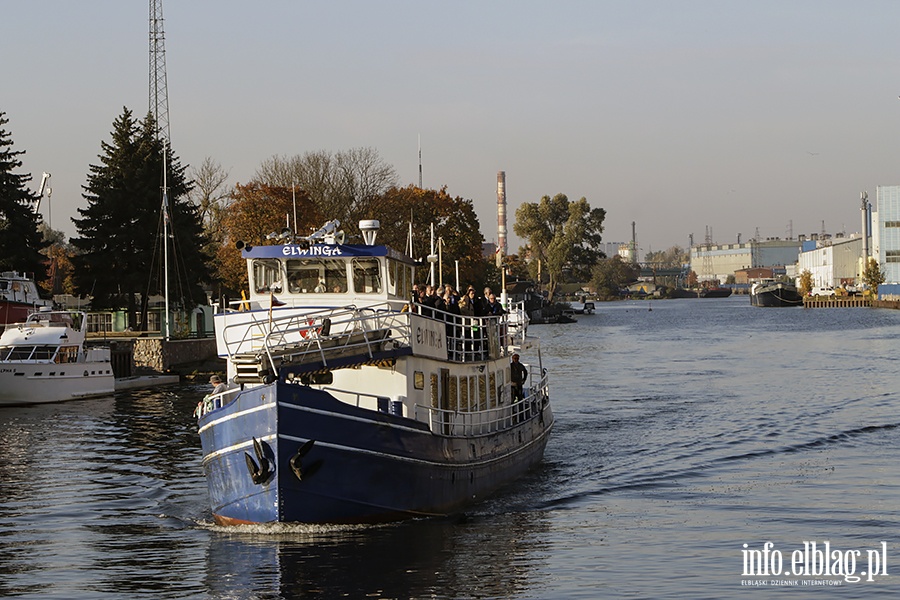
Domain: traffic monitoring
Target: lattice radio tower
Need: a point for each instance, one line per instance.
(159, 92)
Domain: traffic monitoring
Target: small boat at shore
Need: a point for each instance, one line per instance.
(45, 360)
(347, 406)
(775, 293)
(18, 297)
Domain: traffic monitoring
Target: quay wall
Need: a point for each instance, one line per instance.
(895, 304)
(137, 355)
(836, 301)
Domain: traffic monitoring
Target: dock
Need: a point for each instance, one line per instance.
(836, 301)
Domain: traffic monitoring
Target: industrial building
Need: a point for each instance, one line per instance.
(886, 239)
(833, 262)
(714, 263)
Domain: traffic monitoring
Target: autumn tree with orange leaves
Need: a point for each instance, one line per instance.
(455, 222)
(255, 211)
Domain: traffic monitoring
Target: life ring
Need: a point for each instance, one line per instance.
(308, 332)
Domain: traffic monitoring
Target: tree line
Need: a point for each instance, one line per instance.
(116, 255)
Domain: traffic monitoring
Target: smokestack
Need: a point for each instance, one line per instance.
(864, 197)
(501, 216)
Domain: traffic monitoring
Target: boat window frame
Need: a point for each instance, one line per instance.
(18, 353)
(316, 275)
(364, 276)
(267, 276)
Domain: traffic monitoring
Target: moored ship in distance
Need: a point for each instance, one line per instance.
(19, 297)
(769, 292)
(44, 360)
(715, 292)
(349, 404)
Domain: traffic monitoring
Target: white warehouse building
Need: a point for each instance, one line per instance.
(835, 263)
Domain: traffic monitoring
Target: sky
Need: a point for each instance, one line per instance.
(685, 118)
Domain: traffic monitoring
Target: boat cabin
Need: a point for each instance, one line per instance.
(328, 275)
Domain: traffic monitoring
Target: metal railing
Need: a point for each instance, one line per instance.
(317, 335)
(320, 333)
(456, 423)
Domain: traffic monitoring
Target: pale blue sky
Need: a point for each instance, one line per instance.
(741, 116)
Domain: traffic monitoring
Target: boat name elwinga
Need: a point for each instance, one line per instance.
(312, 251)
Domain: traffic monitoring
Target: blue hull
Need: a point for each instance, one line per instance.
(362, 465)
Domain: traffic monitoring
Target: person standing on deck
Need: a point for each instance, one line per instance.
(517, 376)
(218, 385)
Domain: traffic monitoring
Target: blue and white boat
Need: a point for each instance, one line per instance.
(348, 405)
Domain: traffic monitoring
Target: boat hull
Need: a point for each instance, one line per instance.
(362, 466)
(776, 296)
(50, 382)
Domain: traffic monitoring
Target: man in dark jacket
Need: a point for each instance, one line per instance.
(517, 376)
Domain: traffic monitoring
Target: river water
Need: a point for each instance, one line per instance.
(685, 430)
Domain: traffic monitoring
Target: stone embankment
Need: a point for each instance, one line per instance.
(155, 355)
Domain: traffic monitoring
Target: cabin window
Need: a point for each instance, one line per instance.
(392, 276)
(67, 354)
(452, 397)
(317, 276)
(267, 276)
(435, 399)
(419, 380)
(492, 401)
(366, 276)
(336, 276)
(21, 352)
(464, 395)
(44, 352)
(482, 392)
(400, 278)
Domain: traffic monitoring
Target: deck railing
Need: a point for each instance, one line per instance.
(482, 422)
(318, 334)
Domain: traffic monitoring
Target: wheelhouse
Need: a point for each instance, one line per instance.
(294, 272)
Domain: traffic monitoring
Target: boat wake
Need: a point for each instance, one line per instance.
(647, 477)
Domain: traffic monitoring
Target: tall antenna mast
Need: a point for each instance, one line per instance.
(159, 93)
(420, 161)
(159, 108)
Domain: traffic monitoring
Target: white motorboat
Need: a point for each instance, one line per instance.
(44, 360)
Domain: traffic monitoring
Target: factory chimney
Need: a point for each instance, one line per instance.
(864, 198)
(501, 216)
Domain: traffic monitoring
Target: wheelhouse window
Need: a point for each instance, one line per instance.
(267, 276)
(319, 276)
(366, 276)
(399, 279)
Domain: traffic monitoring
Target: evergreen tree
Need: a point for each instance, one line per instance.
(120, 252)
(20, 240)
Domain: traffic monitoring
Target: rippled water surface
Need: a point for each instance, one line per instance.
(685, 429)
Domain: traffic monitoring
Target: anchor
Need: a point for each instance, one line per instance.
(297, 460)
(258, 473)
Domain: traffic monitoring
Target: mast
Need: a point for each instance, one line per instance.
(165, 210)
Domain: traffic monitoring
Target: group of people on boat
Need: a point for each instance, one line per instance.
(469, 304)
(466, 338)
